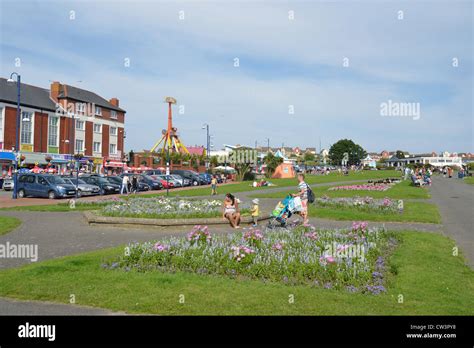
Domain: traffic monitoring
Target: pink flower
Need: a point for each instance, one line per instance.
(277, 246)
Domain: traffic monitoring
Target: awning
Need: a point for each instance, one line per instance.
(7, 156)
(32, 158)
(114, 164)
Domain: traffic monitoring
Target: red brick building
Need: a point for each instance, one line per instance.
(58, 122)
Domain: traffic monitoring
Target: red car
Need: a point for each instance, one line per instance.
(166, 184)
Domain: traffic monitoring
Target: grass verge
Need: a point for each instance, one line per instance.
(8, 224)
(413, 212)
(402, 190)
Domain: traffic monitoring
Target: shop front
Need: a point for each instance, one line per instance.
(7, 162)
(114, 165)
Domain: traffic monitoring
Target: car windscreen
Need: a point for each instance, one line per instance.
(55, 180)
(148, 177)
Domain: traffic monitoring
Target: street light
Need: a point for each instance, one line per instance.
(268, 144)
(15, 174)
(208, 142)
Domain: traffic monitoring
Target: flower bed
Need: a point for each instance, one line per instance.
(351, 259)
(163, 207)
(363, 203)
(363, 187)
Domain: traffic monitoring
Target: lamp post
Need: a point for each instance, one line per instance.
(168, 171)
(268, 144)
(208, 142)
(78, 158)
(17, 140)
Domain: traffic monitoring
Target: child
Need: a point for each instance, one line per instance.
(213, 186)
(255, 212)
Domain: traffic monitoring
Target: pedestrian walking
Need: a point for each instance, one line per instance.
(134, 184)
(125, 182)
(213, 186)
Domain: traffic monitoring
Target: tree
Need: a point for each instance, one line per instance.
(356, 152)
(272, 163)
(400, 154)
(308, 157)
(214, 161)
(241, 162)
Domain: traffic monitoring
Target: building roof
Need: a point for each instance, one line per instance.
(83, 95)
(196, 150)
(30, 96)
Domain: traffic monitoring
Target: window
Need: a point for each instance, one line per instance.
(53, 131)
(80, 125)
(97, 146)
(1, 124)
(97, 128)
(113, 130)
(26, 129)
(98, 110)
(113, 114)
(80, 107)
(79, 145)
(113, 149)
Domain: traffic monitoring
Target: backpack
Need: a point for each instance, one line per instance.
(310, 194)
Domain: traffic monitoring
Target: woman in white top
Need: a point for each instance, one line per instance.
(231, 210)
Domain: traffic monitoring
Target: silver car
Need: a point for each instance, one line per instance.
(84, 188)
(181, 180)
(8, 184)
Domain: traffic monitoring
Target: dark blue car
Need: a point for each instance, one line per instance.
(44, 185)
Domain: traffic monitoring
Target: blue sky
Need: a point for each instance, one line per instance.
(282, 62)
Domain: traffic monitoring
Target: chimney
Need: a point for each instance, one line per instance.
(114, 102)
(54, 91)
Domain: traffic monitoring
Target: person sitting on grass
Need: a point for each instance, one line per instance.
(231, 210)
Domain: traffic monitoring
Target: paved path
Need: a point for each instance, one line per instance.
(455, 200)
(16, 307)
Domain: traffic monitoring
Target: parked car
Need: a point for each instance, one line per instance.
(165, 179)
(147, 179)
(183, 181)
(153, 172)
(84, 189)
(142, 186)
(44, 185)
(206, 177)
(106, 186)
(192, 176)
(8, 184)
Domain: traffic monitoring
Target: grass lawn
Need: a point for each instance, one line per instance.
(402, 190)
(424, 272)
(310, 179)
(469, 180)
(8, 224)
(413, 212)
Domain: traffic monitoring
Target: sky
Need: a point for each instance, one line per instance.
(308, 72)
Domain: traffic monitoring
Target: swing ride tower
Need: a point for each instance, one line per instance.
(169, 141)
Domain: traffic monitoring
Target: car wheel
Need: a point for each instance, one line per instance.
(79, 193)
(51, 195)
(21, 194)
(195, 183)
(102, 192)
